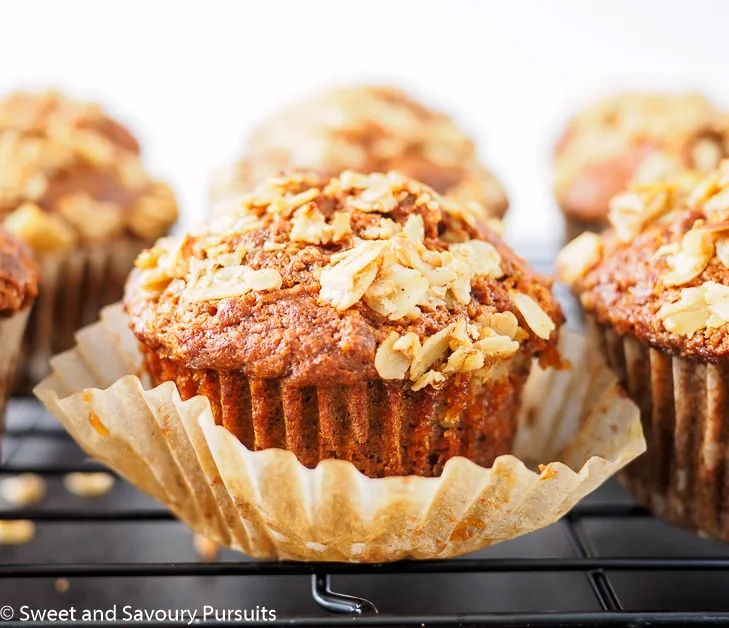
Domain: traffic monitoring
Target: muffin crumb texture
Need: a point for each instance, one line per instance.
(69, 174)
(662, 272)
(355, 277)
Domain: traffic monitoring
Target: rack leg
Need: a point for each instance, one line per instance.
(338, 602)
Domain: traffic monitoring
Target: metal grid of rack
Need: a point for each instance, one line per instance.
(607, 563)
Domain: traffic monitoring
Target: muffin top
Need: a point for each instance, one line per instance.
(337, 280)
(69, 174)
(367, 129)
(634, 137)
(662, 272)
(18, 275)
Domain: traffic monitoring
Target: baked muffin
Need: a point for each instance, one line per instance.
(360, 317)
(72, 186)
(656, 291)
(18, 289)
(639, 137)
(366, 129)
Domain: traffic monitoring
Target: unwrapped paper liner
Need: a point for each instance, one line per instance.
(266, 504)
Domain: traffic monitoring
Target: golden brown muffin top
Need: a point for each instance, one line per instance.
(69, 174)
(639, 137)
(366, 129)
(662, 272)
(18, 275)
(340, 280)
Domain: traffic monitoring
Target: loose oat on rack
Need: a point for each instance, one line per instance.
(25, 489)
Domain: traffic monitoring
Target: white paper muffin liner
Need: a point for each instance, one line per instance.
(576, 423)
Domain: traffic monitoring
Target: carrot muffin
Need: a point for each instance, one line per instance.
(640, 137)
(360, 317)
(18, 289)
(656, 291)
(72, 186)
(367, 129)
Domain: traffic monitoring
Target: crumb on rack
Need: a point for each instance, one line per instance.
(61, 585)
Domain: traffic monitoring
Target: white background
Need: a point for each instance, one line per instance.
(191, 77)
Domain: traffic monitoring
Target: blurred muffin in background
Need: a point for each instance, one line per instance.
(366, 129)
(18, 289)
(72, 186)
(361, 317)
(632, 137)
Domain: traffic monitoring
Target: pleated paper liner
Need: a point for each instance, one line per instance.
(576, 423)
(74, 287)
(684, 404)
(11, 336)
(382, 427)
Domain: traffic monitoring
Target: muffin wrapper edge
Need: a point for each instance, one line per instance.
(11, 336)
(684, 476)
(267, 504)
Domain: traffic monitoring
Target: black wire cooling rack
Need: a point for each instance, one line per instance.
(607, 563)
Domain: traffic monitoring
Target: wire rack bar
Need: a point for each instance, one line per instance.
(272, 568)
(51, 470)
(599, 511)
(598, 583)
(321, 591)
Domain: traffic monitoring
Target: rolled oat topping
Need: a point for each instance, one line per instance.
(407, 283)
(367, 129)
(663, 272)
(70, 174)
(578, 257)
